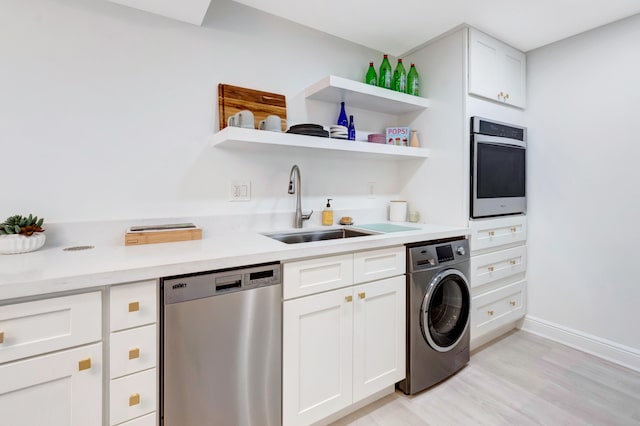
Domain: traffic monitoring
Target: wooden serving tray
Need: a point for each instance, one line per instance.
(233, 99)
(154, 237)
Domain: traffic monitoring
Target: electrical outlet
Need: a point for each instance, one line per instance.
(240, 190)
(371, 193)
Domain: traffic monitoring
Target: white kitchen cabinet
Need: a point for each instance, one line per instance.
(54, 385)
(315, 275)
(379, 333)
(497, 267)
(59, 389)
(343, 345)
(497, 71)
(133, 349)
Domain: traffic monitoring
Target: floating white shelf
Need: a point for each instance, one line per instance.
(250, 139)
(365, 96)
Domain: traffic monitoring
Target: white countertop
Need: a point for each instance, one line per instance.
(52, 269)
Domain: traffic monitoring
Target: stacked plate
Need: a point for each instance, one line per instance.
(309, 130)
(339, 132)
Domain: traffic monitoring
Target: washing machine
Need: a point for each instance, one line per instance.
(438, 312)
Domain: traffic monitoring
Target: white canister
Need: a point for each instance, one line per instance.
(398, 211)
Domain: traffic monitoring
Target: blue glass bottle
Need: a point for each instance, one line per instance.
(342, 118)
(352, 129)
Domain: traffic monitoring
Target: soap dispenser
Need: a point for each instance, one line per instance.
(327, 214)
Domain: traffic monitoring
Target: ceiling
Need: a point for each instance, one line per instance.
(395, 27)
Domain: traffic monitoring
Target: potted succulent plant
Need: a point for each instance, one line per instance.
(19, 234)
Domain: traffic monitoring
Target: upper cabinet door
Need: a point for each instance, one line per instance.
(496, 71)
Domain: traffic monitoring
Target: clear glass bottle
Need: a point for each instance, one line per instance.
(342, 118)
(400, 78)
(413, 81)
(352, 129)
(385, 74)
(372, 77)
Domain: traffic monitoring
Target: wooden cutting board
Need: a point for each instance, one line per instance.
(233, 99)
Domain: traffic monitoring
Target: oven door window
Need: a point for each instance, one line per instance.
(500, 171)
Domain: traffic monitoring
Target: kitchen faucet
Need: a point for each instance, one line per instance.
(293, 181)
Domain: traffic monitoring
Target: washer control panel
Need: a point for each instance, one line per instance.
(437, 254)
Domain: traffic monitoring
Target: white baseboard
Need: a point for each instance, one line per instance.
(602, 348)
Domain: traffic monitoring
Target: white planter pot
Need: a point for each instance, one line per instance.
(14, 244)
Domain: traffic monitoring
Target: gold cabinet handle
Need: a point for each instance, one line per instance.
(362, 295)
(513, 229)
(134, 353)
(1, 336)
(490, 268)
(84, 364)
(490, 313)
(506, 96)
(134, 306)
(500, 95)
(512, 303)
(348, 298)
(491, 233)
(134, 399)
(512, 261)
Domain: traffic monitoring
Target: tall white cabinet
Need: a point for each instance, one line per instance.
(343, 331)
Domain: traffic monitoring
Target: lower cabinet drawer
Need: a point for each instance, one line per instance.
(491, 233)
(132, 351)
(133, 305)
(133, 396)
(378, 264)
(497, 265)
(497, 307)
(148, 420)
(41, 326)
(317, 275)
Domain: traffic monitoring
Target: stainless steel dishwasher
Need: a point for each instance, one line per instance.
(221, 347)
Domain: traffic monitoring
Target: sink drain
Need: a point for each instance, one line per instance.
(78, 248)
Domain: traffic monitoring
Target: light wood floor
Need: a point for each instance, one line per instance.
(522, 379)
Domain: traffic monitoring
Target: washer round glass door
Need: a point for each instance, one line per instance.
(444, 314)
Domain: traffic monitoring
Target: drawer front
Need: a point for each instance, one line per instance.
(378, 264)
(132, 350)
(148, 420)
(490, 233)
(132, 396)
(42, 326)
(317, 275)
(133, 305)
(496, 308)
(497, 265)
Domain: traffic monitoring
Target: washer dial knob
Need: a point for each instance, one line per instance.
(461, 251)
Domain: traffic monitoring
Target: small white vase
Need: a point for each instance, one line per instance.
(14, 244)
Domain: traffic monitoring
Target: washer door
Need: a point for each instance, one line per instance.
(444, 314)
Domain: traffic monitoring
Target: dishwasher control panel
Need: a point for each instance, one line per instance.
(215, 283)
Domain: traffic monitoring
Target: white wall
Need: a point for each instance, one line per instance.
(107, 112)
(584, 202)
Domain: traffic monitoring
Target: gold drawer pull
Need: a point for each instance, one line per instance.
(362, 295)
(490, 268)
(134, 353)
(1, 336)
(134, 306)
(490, 313)
(134, 399)
(512, 261)
(491, 233)
(84, 364)
(512, 303)
(348, 298)
(513, 229)
(506, 96)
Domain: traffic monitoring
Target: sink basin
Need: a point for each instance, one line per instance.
(320, 235)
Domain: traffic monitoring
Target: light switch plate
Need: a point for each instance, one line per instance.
(240, 190)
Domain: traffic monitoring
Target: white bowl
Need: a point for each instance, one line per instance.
(14, 244)
(337, 128)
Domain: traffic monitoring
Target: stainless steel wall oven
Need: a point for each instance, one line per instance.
(498, 168)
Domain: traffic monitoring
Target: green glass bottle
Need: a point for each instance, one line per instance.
(400, 77)
(372, 77)
(384, 76)
(413, 81)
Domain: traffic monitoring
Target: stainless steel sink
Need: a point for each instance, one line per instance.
(319, 235)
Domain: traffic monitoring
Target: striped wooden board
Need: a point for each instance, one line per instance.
(233, 99)
(154, 237)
